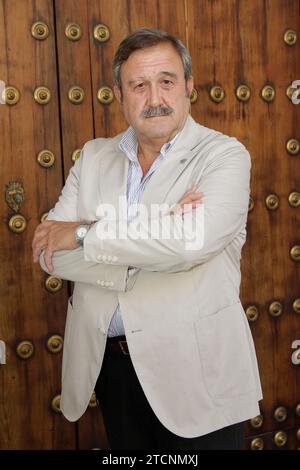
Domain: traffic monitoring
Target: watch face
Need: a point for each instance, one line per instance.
(81, 232)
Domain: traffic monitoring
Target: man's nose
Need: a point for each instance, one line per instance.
(154, 97)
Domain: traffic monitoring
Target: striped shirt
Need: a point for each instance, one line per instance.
(136, 184)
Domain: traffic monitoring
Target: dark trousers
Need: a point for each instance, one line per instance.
(130, 422)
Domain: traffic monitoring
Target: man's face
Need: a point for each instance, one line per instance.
(155, 95)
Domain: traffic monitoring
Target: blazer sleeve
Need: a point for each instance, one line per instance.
(71, 264)
(217, 222)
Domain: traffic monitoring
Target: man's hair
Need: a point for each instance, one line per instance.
(142, 39)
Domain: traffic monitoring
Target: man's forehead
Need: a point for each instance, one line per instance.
(152, 74)
(154, 61)
(160, 52)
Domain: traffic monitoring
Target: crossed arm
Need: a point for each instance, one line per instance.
(225, 184)
(54, 236)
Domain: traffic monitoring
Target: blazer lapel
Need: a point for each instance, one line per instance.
(114, 168)
(174, 164)
(113, 175)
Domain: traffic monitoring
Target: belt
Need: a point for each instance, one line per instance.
(117, 344)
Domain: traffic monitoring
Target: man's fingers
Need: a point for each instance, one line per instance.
(187, 206)
(37, 246)
(195, 195)
(191, 197)
(42, 230)
(40, 233)
(40, 239)
(37, 238)
(190, 192)
(190, 200)
(48, 259)
(36, 254)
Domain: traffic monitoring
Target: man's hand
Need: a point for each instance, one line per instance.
(190, 200)
(53, 236)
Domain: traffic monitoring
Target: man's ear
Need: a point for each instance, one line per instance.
(118, 94)
(190, 85)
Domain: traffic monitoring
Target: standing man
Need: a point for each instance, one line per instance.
(155, 323)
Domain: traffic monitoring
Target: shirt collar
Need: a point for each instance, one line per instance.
(128, 144)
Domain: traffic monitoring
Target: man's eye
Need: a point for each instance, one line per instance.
(167, 83)
(140, 86)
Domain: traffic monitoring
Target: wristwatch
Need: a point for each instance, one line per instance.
(80, 233)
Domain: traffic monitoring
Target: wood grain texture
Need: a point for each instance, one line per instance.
(74, 70)
(28, 311)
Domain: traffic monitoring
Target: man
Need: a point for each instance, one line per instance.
(159, 316)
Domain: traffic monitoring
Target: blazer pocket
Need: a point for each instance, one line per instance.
(224, 353)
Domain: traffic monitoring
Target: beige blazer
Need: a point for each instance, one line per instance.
(187, 332)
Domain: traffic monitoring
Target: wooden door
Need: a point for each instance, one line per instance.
(33, 304)
(30, 314)
(243, 63)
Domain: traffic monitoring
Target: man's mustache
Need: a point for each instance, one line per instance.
(158, 111)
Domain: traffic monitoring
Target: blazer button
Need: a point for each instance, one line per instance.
(99, 257)
(111, 283)
(104, 258)
(109, 258)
